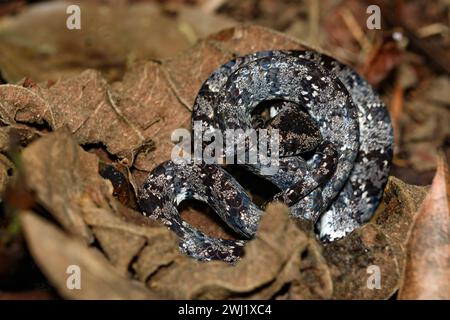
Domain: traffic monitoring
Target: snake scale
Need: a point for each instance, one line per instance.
(321, 107)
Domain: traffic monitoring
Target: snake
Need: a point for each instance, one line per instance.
(335, 150)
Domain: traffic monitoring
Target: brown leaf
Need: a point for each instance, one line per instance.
(147, 99)
(55, 251)
(427, 270)
(344, 270)
(86, 105)
(306, 275)
(57, 170)
(20, 104)
(126, 234)
(349, 260)
(65, 180)
(396, 214)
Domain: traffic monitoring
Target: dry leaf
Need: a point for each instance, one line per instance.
(396, 213)
(56, 169)
(378, 243)
(55, 251)
(427, 270)
(65, 180)
(350, 259)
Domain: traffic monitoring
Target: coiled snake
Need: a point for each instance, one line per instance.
(320, 107)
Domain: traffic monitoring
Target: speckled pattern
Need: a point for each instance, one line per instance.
(320, 106)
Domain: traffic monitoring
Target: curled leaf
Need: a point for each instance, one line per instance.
(427, 270)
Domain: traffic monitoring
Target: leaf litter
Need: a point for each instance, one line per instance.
(128, 256)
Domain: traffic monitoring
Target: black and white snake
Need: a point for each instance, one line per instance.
(320, 107)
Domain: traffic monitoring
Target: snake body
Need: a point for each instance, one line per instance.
(320, 106)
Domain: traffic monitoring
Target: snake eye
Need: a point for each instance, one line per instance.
(265, 63)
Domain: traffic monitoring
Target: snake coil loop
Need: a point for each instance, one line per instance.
(318, 105)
